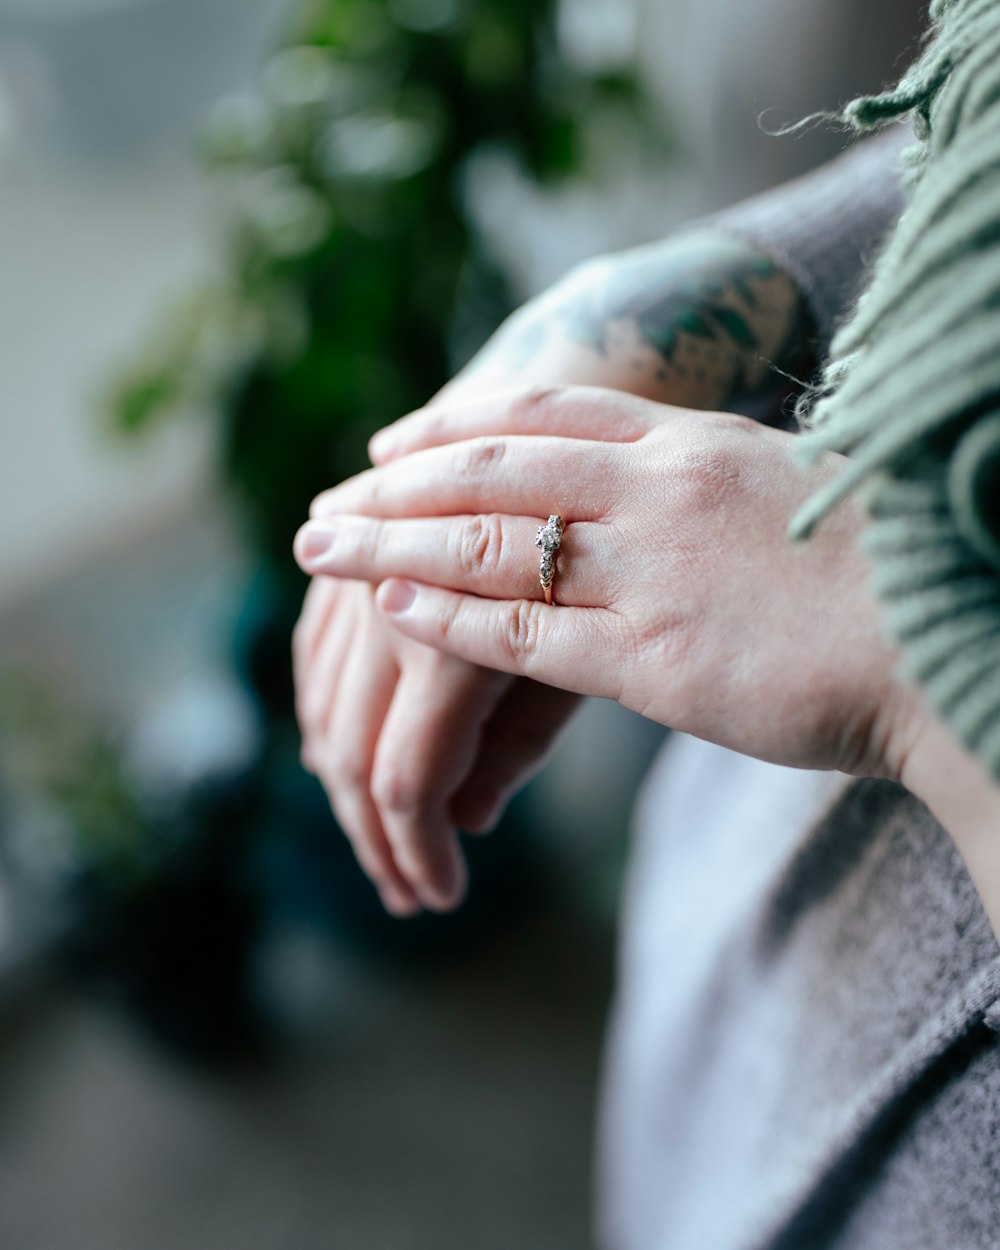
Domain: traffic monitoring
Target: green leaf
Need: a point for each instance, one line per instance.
(139, 399)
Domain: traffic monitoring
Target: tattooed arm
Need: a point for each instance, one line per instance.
(411, 743)
(725, 316)
(701, 321)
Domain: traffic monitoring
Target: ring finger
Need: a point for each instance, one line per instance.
(490, 555)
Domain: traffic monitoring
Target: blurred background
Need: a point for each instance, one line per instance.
(237, 237)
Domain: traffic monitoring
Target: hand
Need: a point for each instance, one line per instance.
(347, 667)
(678, 592)
(410, 744)
(388, 724)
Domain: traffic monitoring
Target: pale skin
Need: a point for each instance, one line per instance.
(411, 744)
(670, 600)
(677, 593)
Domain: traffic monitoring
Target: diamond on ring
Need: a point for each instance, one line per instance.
(549, 537)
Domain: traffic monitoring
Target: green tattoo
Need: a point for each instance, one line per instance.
(702, 318)
(671, 301)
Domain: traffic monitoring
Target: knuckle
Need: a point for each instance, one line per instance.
(480, 458)
(479, 545)
(430, 428)
(349, 770)
(703, 475)
(395, 791)
(519, 627)
(531, 405)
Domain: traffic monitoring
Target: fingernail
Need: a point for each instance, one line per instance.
(314, 543)
(396, 596)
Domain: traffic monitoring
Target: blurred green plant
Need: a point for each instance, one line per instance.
(151, 903)
(68, 776)
(352, 281)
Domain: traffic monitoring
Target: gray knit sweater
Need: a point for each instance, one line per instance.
(804, 1051)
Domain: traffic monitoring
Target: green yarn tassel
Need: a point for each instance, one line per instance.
(912, 390)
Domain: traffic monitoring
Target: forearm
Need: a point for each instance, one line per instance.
(723, 315)
(824, 230)
(701, 320)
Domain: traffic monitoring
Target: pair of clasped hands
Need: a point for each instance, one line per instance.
(433, 679)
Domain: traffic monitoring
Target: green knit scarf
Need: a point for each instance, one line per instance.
(912, 390)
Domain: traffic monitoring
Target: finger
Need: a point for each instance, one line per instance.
(517, 475)
(487, 554)
(363, 698)
(425, 749)
(565, 647)
(514, 744)
(317, 608)
(587, 412)
(317, 683)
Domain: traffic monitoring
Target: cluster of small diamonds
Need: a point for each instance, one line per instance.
(549, 537)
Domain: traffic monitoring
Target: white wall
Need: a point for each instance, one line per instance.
(83, 259)
(102, 217)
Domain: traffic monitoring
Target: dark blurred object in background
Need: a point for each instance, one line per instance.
(352, 280)
(134, 856)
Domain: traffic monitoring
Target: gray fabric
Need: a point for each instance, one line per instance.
(825, 229)
(801, 1055)
(804, 1051)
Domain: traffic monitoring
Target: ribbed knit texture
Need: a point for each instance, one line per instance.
(825, 228)
(912, 392)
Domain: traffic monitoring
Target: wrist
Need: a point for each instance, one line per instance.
(965, 799)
